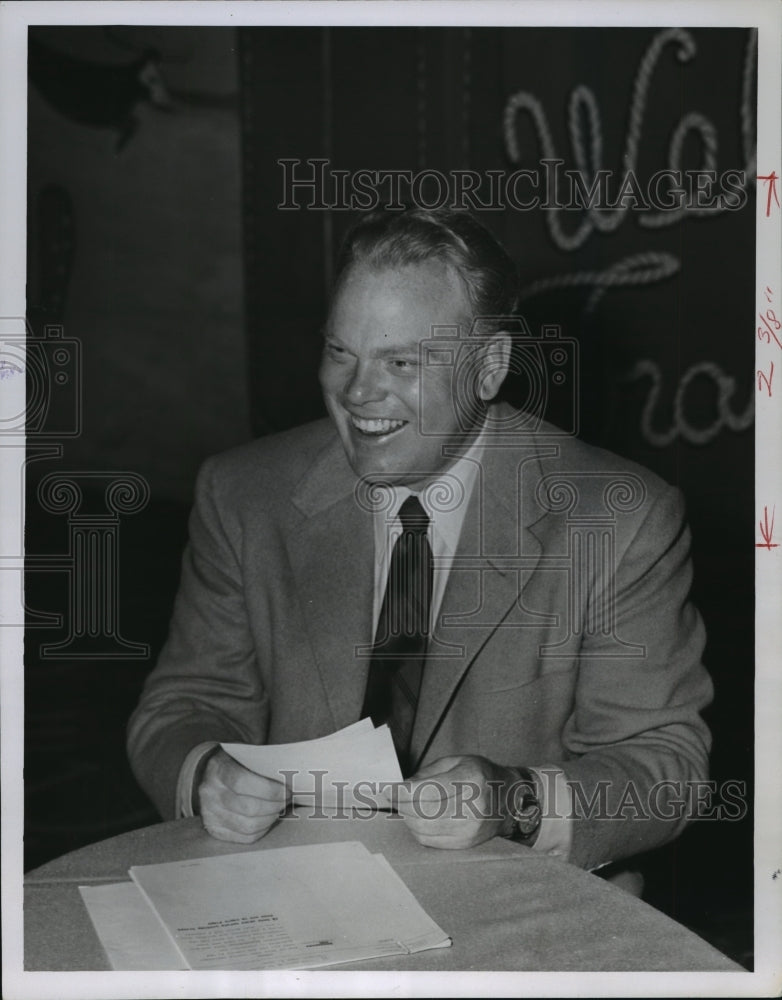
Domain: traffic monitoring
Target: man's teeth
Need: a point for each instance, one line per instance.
(376, 426)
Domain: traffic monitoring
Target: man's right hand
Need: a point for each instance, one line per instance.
(237, 804)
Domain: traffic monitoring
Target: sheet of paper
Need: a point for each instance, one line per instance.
(401, 915)
(129, 929)
(348, 768)
(293, 907)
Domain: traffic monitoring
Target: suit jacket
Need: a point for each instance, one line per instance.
(565, 636)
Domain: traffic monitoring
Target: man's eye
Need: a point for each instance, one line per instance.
(336, 352)
(402, 364)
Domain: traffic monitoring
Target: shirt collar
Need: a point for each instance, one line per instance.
(445, 499)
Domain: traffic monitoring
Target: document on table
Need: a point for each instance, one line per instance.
(129, 930)
(285, 908)
(348, 768)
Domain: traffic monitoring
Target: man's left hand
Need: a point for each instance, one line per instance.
(456, 802)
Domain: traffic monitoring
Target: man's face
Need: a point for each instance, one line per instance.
(371, 374)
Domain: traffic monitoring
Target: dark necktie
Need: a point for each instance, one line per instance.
(402, 632)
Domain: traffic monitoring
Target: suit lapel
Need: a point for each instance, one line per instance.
(332, 560)
(482, 587)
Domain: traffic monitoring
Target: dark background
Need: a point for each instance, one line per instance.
(155, 240)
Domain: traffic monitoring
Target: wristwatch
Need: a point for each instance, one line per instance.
(524, 807)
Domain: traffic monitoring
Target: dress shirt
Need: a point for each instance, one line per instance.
(446, 506)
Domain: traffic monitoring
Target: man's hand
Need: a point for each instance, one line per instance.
(236, 804)
(457, 802)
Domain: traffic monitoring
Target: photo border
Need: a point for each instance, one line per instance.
(767, 977)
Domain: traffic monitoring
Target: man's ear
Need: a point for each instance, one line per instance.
(494, 364)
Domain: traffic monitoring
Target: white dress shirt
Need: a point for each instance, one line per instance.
(445, 500)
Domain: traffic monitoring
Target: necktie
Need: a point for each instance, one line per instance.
(399, 649)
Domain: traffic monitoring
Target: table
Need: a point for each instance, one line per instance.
(505, 906)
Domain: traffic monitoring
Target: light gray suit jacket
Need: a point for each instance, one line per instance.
(565, 636)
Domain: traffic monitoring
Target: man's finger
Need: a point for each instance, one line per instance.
(446, 843)
(245, 782)
(436, 788)
(440, 766)
(225, 831)
(216, 814)
(250, 806)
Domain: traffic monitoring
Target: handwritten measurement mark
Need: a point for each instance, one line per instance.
(771, 180)
(767, 531)
(769, 322)
(769, 326)
(762, 377)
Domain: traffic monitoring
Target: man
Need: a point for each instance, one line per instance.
(548, 683)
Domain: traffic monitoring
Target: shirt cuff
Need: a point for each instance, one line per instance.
(555, 833)
(192, 766)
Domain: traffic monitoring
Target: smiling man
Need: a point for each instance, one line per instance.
(525, 597)
(373, 379)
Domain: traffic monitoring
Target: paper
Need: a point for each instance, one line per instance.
(129, 930)
(349, 768)
(293, 907)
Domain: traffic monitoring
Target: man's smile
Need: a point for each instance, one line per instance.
(376, 426)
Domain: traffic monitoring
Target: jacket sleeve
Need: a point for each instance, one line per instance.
(206, 685)
(638, 742)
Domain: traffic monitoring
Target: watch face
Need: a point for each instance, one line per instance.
(529, 820)
(527, 812)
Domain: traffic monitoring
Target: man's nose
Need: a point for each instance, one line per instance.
(365, 384)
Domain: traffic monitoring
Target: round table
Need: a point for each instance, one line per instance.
(506, 907)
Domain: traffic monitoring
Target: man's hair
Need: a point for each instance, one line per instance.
(415, 235)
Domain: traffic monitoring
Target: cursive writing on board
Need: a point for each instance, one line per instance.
(646, 268)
